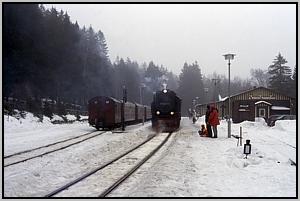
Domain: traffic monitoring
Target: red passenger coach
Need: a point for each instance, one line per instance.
(139, 112)
(129, 113)
(105, 112)
(148, 114)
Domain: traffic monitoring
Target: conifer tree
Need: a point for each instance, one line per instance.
(190, 86)
(280, 74)
(293, 84)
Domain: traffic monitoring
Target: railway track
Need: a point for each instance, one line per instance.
(284, 144)
(116, 170)
(26, 155)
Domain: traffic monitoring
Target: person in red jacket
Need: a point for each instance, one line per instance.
(213, 120)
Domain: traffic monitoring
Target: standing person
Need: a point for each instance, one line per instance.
(213, 120)
(208, 127)
(190, 113)
(194, 117)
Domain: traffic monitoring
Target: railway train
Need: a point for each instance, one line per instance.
(105, 112)
(166, 111)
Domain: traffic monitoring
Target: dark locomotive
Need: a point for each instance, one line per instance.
(166, 111)
(105, 113)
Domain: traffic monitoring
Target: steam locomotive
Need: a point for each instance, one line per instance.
(166, 111)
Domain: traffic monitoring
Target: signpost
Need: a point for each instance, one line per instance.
(123, 108)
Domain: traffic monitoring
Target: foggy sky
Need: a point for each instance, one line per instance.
(171, 34)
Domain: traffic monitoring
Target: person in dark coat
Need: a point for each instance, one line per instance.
(208, 127)
(213, 120)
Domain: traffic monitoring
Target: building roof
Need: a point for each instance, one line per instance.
(247, 91)
(257, 88)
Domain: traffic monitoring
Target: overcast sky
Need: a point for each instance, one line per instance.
(171, 34)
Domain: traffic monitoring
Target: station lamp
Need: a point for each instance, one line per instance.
(229, 57)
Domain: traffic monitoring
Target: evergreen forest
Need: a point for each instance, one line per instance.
(45, 55)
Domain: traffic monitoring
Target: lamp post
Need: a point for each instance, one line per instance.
(206, 94)
(194, 103)
(229, 57)
(215, 80)
(122, 107)
(197, 103)
(141, 99)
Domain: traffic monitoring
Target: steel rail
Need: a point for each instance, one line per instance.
(130, 172)
(61, 148)
(48, 145)
(95, 170)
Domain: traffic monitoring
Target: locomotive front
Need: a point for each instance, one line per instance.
(165, 110)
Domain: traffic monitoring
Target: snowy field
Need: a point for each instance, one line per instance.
(189, 166)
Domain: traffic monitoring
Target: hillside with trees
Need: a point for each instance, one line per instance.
(45, 55)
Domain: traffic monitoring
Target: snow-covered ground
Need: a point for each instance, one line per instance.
(189, 166)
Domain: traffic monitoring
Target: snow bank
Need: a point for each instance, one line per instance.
(30, 122)
(70, 117)
(285, 125)
(57, 118)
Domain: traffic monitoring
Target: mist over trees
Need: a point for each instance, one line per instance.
(126, 74)
(45, 55)
(260, 77)
(190, 85)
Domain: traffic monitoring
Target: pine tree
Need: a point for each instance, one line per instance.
(293, 84)
(190, 85)
(280, 74)
(294, 74)
(153, 77)
(102, 44)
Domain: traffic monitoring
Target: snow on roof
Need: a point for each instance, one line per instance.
(115, 100)
(222, 99)
(279, 108)
(258, 102)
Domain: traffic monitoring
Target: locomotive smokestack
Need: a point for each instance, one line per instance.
(164, 85)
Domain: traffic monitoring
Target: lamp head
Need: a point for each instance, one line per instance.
(229, 56)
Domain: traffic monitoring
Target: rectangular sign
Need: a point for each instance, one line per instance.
(261, 97)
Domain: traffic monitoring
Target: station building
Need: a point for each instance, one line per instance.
(257, 102)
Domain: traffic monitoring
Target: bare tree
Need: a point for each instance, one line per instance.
(259, 77)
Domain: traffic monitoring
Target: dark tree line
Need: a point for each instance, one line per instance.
(191, 86)
(45, 55)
